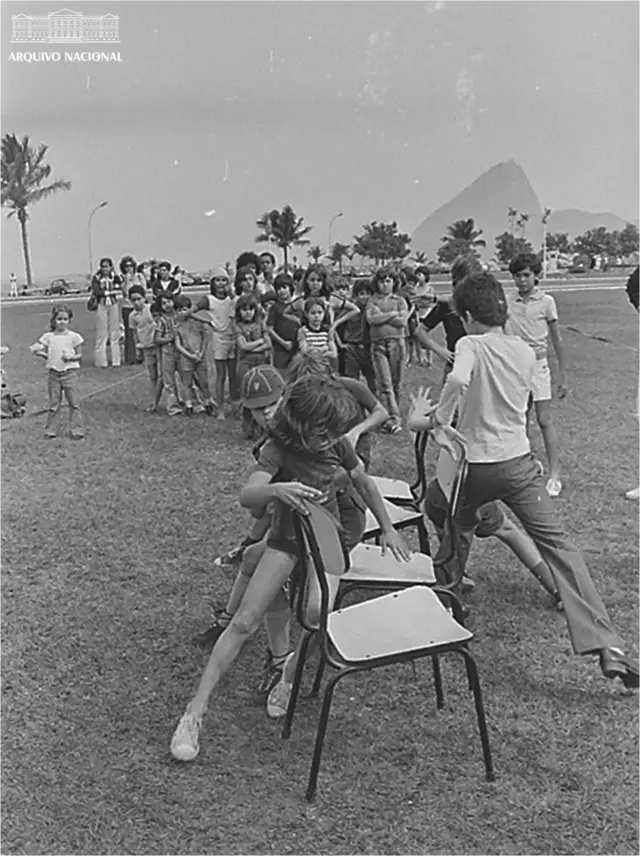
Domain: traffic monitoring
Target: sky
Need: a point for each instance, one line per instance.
(371, 110)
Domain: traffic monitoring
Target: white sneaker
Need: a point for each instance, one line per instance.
(633, 494)
(554, 487)
(185, 743)
(278, 699)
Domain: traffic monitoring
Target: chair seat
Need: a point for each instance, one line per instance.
(396, 514)
(368, 564)
(410, 620)
(393, 488)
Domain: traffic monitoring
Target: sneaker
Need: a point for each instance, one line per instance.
(633, 494)
(395, 428)
(271, 674)
(466, 583)
(278, 700)
(554, 487)
(185, 743)
(211, 636)
(232, 558)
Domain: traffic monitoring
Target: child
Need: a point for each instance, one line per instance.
(282, 328)
(106, 289)
(246, 282)
(342, 292)
(190, 345)
(315, 283)
(315, 335)
(218, 309)
(489, 385)
(61, 348)
(165, 283)
(130, 277)
(387, 315)
(423, 299)
(355, 337)
(143, 328)
(533, 317)
(407, 290)
(253, 344)
(165, 339)
(305, 450)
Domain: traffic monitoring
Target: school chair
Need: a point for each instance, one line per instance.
(399, 627)
(401, 492)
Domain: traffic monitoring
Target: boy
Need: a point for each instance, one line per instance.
(190, 345)
(489, 385)
(282, 329)
(533, 317)
(423, 300)
(355, 337)
(143, 328)
(165, 339)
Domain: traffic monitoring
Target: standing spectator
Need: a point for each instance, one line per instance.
(356, 339)
(268, 268)
(165, 283)
(106, 285)
(130, 277)
(632, 290)
(253, 344)
(61, 347)
(282, 329)
(424, 298)
(143, 328)
(407, 290)
(13, 285)
(165, 339)
(387, 315)
(190, 345)
(246, 282)
(315, 335)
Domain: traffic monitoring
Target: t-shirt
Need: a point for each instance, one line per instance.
(423, 298)
(220, 314)
(254, 331)
(58, 344)
(355, 331)
(391, 303)
(191, 334)
(166, 328)
(316, 471)
(490, 383)
(286, 328)
(143, 325)
(442, 313)
(530, 319)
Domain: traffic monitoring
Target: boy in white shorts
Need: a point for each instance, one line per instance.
(534, 318)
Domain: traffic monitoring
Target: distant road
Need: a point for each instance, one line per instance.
(605, 283)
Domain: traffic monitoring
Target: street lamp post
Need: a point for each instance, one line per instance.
(97, 208)
(331, 222)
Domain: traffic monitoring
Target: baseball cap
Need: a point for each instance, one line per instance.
(261, 387)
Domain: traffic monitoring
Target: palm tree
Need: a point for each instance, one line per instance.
(338, 252)
(283, 228)
(465, 230)
(513, 213)
(23, 174)
(420, 258)
(315, 253)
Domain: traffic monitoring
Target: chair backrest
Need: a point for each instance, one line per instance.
(449, 550)
(321, 553)
(419, 487)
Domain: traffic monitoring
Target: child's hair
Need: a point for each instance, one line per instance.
(241, 273)
(298, 275)
(321, 271)
(106, 260)
(340, 282)
(313, 413)
(309, 303)
(462, 266)
(140, 268)
(165, 295)
(247, 301)
(282, 280)
(481, 295)
(304, 365)
(383, 273)
(247, 259)
(410, 276)
(362, 285)
(127, 260)
(523, 261)
(424, 270)
(137, 289)
(57, 310)
(165, 266)
(182, 302)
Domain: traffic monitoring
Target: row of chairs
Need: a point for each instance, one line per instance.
(416, 618)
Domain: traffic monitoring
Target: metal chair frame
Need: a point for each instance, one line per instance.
(310, 549)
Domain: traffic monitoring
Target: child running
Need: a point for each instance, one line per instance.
(143, 328)
(190, 345)
(387, 315)
(61, 348)
(534, 318)
(489, 384)
(304, 452)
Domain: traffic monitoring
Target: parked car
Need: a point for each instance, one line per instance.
(62, 286)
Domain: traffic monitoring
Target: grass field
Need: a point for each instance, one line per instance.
(107, 554)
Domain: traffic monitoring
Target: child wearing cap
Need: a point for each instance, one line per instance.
(190, 345)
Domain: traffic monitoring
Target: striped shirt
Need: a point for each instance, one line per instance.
(317, 341)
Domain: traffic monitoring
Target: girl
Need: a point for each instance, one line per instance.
(246, 282)
(106, 286)
(305, 449)
(130, 277)
(315, 335)
(315, 283)
(165, 339)
(61, 349)
(253, 344)
(387, 315)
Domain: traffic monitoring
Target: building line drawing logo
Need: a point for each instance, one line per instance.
(65, 27)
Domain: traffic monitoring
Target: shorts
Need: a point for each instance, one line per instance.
(351, 525)
(489, 517)
(541, 383)
(223, 348)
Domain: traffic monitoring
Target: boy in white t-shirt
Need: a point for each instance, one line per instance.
(61, 349)
(534, 318)
(489, 385)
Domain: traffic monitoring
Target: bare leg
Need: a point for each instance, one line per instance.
(221, 376)
(548, 429)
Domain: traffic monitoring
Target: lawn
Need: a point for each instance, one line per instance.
(108, 549)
